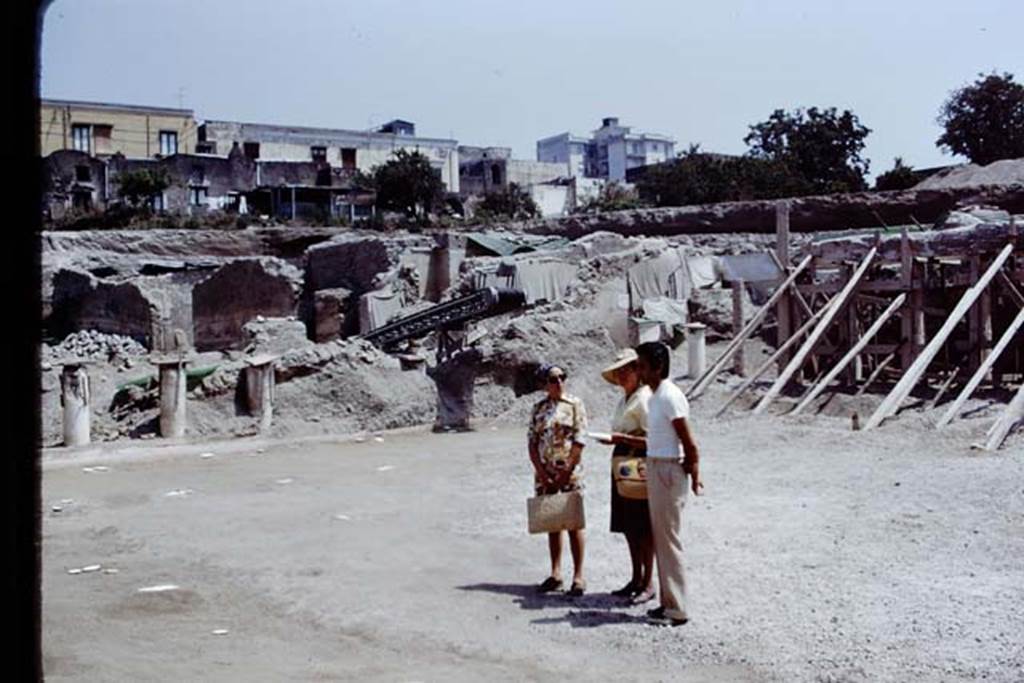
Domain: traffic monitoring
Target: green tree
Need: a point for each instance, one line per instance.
(984, 121)
(138, 187)
(899, 177)
(696, 177)
(613, 196)
(407, 183)
(513, 203)
(821, 147)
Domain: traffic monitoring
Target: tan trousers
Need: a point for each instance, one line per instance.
(666, 497)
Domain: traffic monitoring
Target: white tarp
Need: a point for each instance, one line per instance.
(663, 275)
(376, 308)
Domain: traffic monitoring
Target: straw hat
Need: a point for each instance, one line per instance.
(624, 357)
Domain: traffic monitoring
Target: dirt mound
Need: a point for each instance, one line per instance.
(1004, 172)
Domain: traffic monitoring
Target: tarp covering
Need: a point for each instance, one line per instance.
(376, 308)
(454, 379)
(705, 271)
(541, 278)
(755, 267)
(663, 275)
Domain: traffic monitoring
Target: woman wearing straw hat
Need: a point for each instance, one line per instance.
(629, 510)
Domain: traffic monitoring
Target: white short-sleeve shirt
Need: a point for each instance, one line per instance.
(667, 403)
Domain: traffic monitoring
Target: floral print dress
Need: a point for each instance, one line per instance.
(555, 425)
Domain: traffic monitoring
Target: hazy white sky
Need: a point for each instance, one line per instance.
(508, 73)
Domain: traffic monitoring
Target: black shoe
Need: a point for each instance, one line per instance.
(656, 613)
(577, 590)
(627, 591)
(550, 584)
(666, 621)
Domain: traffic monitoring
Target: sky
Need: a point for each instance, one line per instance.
(509, 73)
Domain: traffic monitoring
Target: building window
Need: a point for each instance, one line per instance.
(168, 142)
(206, 148)
(319, 154)
(197, 196)
(81, 137)
(157, 202)
(82, 174)
(348, 158)
(496, 174)
(251, 150)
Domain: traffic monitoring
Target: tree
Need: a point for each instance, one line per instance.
(696, 177)
(899, 177)
(821, 147)
(984, 121)
(407, 183)
(140, 186)
(513, 203)
(612, 197)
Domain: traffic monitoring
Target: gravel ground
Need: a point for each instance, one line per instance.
(816, 554)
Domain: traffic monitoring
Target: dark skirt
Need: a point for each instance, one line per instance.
(631, 517)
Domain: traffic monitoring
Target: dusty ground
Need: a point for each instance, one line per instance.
(817, 554)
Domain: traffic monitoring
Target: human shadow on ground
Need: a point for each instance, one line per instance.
(527, 597)
(589, 618)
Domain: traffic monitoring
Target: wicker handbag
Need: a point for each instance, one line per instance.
(556, 512)
(629, 472)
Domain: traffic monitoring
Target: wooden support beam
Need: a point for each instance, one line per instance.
(1013, 414)
(783, 312)
(739, 290)
(942, 389)
(974, 319)
(892, 402)
(851, 354)
(882, 365)
(975, 380)
(793, 288)
(907, 281)
(1011, 288)
(834, 307)
(797, 336)
(697, 387)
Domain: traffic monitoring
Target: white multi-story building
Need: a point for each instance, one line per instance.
(611, 150)
(345, 149)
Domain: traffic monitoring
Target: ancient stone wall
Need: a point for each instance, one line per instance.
(239, 292)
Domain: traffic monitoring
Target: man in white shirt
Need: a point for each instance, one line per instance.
(672, 457)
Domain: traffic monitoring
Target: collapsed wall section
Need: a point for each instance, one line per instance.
(238, 292)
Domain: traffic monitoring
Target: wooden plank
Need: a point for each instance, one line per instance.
(882, 365)
(739, 288)
(942, 389)
(851, 354)
(1013, 414)
(906, 314)
(771, 359)
(892, 402)
(833, 309)
(797, 296)
(697, 387)
(974, 318)
(1011, 288)
(975, 380)
(783, 311)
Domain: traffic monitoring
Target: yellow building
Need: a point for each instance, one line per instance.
(99, 129)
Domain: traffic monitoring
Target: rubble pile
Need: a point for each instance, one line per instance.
(113, 348)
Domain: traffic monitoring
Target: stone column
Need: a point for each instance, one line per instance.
(75, 398)
(696, 350)
(173, 419)
(259, 389)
